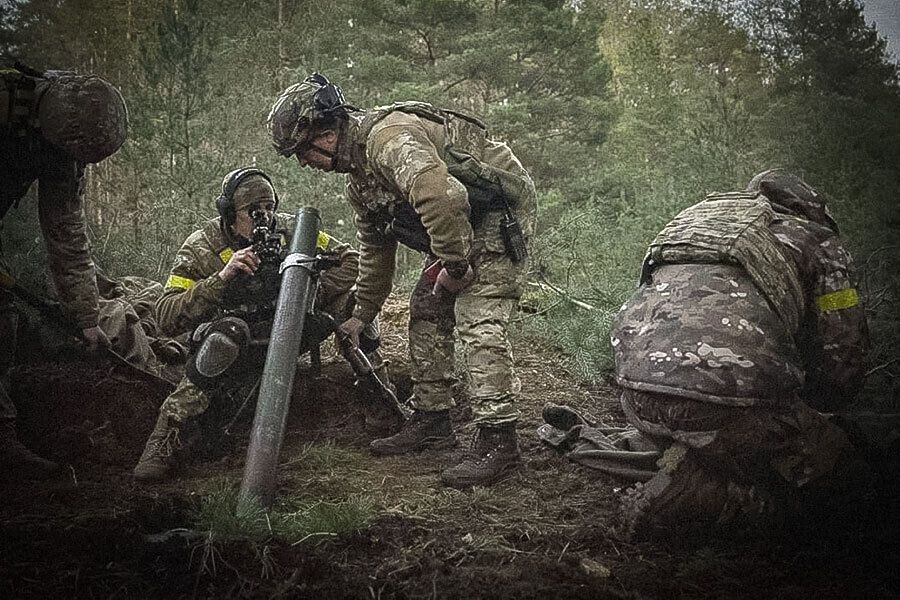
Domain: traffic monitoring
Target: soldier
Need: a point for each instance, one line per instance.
(434, 180)
(223, 290)
(746, 323)
(53, 124)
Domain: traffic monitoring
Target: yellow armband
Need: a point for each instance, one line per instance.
(181, 283)
(839, 300)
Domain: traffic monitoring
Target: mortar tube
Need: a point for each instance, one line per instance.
(294, 301)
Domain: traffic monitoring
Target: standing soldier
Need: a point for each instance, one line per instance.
(747, 322)
(52, 125)
(434, 180)
(223, 287)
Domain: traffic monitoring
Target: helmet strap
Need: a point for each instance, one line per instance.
(341, 160)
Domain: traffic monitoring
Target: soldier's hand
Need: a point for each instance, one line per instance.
(352, 328)
(242, 261)
(446, 281)
(95, 338)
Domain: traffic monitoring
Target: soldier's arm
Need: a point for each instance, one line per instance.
(377, 261)
(405, 156)
(191, 295)
(337, 281)
(835, 359)
(63, 226)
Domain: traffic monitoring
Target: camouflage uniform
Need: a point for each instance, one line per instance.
(193, 295)
(433, 180)
(41, 140)
(746, 317)
(400, 158)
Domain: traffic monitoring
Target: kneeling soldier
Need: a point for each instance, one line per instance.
(223, 287)
(746, 323)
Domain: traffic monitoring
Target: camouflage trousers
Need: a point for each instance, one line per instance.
(480, 315)
(727, 465)
(185, 402)
(188, 400)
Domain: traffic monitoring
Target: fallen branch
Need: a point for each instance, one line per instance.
(549, 286)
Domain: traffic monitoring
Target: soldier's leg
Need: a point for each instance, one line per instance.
(482, 326)
(826, 481)
(698, 486)
(162, 449)
(431, 351)
(740, 466)
(482, 314)
(16, 461)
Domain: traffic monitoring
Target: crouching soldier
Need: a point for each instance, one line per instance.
(223, 287)
(747, 323)
(52, 125)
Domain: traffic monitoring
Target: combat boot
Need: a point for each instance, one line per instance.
(683, 499)
(381, 419)
(382, 412)
(424, 429)
(18, 462)
(494, 455)
(158, 459)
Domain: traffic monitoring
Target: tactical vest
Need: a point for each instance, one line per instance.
(17, 95)
(19, 145)
(489, 188)
(733, 228)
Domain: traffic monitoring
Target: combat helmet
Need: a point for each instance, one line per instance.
(312, 102)
(783, 188)
(83, 115)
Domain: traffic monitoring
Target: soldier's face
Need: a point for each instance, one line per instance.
(243, 222)
(319, 153)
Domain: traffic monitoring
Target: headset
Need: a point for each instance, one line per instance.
(225, 201)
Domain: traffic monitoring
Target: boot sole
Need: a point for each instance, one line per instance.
(435, 443)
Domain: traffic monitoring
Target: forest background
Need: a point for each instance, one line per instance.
(624, 111)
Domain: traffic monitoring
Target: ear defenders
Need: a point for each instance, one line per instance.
(225, 201)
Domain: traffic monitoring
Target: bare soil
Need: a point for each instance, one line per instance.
(546, 532)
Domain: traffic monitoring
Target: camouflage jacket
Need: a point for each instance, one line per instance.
(194, 291)
(704, 329)
(25, 157)
(400, 158)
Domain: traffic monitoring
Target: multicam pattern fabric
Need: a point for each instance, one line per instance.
(734, 228)
(27, 157)
(193, 291)
(193, 294)
(736, 466)
(715, 368)
(402, 159)
(706, 331)
(186, 402)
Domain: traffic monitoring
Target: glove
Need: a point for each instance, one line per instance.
(453, 284)
(352, 328)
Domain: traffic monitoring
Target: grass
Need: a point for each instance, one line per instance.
(295, 518)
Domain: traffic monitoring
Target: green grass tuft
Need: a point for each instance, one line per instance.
(293, 520)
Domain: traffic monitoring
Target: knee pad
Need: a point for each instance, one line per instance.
(216, 351)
